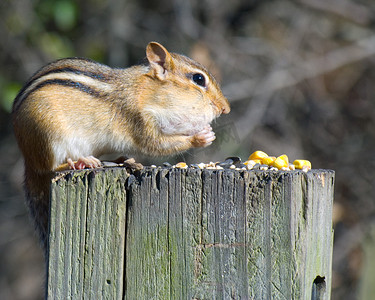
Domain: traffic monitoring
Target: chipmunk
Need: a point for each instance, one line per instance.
(74, 110)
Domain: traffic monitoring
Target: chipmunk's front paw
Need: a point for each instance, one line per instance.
(84, 162)
(204, 138)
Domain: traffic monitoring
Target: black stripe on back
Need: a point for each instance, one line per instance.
(94, 75)
(69, 83)
(63, 82)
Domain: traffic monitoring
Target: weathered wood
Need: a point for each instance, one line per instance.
(87, 235)
(191, 234)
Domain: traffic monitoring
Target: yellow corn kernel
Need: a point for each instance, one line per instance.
(257, 155)
(285, 158)
(281, 161)
(302, 164)
(268, 160)
(181, 165)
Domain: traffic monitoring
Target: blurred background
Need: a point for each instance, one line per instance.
(300, 76)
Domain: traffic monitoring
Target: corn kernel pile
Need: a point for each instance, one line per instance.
(258, 160)
(280, 163)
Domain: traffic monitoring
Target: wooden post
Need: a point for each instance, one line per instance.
(191, 234)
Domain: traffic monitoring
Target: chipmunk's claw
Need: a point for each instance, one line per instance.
(90, 162)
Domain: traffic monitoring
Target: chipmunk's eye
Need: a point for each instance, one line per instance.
(199, 79)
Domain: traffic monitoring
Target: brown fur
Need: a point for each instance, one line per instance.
(73, 108)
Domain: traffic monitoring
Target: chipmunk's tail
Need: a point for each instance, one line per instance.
(37, 189)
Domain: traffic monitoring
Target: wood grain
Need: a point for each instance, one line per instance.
(191, 234)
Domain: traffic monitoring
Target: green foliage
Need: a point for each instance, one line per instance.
(55, 45)
(65, 14)
(61, 14)
(54, 22)
(8, 92)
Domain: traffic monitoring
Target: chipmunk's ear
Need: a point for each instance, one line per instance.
(160, 59)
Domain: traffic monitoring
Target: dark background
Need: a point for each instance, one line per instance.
(299, 75)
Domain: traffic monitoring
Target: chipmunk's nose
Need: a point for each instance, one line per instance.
(222, 106)
(225, 110)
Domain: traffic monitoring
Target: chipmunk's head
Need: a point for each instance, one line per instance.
(185, 97)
